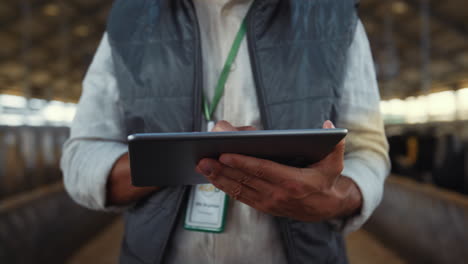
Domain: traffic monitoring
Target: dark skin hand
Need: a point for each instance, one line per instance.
(315, 193)
(120, 191)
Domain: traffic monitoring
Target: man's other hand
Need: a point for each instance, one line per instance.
(315, 193)
(120, 191)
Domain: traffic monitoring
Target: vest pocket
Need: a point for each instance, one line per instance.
(301, 114)
(160, 114)
(148, 225)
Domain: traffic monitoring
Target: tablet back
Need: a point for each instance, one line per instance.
(168, 159)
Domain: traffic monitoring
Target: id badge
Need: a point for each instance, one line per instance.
(206, 209)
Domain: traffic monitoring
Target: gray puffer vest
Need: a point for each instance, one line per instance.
(298, 50)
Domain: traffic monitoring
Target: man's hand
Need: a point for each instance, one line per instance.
(315, 193)
(120, 190)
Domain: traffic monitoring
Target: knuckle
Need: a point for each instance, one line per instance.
(279, 197)
(215, 172)
(245, 179)
(327, 184)
(260, 169)
(293, 187)
(235, 191)
(219, 185)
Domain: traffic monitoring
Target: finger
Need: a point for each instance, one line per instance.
(248, 180)
(246, 128)
(245, 194)
(328, 124)
(216, 174)
(222, 126)
(263, 169)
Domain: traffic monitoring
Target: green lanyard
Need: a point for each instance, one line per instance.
(210, 109)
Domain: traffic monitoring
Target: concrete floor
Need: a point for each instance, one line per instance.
(363, 248)
(103, 249)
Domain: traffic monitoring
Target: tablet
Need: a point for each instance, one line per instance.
(169, 159)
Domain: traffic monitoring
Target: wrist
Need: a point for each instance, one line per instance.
(119, 188)
(350, 198)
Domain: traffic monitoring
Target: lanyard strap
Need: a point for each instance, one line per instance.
(208, 109)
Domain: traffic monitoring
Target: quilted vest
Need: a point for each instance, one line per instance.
(298, 51)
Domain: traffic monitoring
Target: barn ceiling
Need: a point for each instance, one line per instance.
(47, 45)
(395, 30)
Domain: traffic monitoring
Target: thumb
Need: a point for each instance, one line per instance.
(340, 147)
(328, 124)
(246, 128)
(335, 160)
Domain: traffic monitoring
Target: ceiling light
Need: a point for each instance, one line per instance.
(40, 77)
(81, 31)
(51, 10)
(399, 7)
(12, 101)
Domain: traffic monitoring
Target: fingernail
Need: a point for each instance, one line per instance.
(205, 168)
(226, 160)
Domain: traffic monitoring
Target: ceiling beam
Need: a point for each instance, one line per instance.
(75, 58)
(442, 19)
(35, 4)
(409, 37)
(406, 88)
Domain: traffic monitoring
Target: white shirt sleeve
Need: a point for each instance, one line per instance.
(366, 156)
(97, 134)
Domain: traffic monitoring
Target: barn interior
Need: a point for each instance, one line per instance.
(420, 49)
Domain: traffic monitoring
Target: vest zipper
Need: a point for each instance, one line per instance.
(198, 79)
(284, 227)
(181, 197)
(197, 119)
(255, 68)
